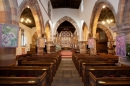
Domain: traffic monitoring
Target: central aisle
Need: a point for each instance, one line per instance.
(67, 75)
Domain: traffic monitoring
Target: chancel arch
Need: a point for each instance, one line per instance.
(66, 18)
(66, 34)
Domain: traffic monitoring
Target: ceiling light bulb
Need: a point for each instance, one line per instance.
(22, 19)
(26, 21)
(27, 6)
(104, 6)
(103, 22)
(111, 20)
(108, 20)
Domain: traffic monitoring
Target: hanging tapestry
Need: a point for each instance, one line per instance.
(120, 46)
(8, 35)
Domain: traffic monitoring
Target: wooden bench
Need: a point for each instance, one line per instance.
(93, 62)
(109, 57)
(25, 76)
(41, 63)
(102, 70)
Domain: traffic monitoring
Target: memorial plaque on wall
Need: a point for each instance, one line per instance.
(8, 35)
(120, 46)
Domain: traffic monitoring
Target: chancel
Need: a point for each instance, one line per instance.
(65, 43)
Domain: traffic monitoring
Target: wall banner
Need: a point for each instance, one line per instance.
(120, 46)
(8, 35)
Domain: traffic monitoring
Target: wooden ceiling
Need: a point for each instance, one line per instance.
(66, 4)
(105, 14)
(27, 14)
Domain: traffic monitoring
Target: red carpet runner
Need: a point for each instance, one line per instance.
(66, 54)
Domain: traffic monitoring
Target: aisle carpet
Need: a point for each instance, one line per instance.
(67, 74)
(66, 53)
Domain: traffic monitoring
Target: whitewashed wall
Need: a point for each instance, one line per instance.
(19, 2)
(28, 39)
(44, 8)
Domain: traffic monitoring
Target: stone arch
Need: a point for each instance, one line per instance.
(123, 11)
(106, 30)
(96, 13)
(48, 30)
(84, 32)
(66, 18)
(35, 8)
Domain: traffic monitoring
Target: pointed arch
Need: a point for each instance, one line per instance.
(96, 13)
(35, 8)
(66, 18)
(107, 31)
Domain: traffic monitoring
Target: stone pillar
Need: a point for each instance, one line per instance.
(123, 30)
(49, 43)
(82, 47)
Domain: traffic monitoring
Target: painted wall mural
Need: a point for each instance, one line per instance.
(8, 35)
(120, 46)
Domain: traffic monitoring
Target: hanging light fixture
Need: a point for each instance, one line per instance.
(107, 20)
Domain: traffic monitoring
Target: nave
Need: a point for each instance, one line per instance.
(67, 75)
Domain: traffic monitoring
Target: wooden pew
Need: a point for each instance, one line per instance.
(109, 57)
(41, 63)
(93, 62)
(102, 70)
(39, 58)
(25, 76)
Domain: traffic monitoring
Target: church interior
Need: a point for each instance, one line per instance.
(64, 42)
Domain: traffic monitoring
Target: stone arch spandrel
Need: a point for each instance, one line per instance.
(96, 13)
(66, 18)
(106, 30)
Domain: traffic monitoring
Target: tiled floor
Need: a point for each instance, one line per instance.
(67, 75)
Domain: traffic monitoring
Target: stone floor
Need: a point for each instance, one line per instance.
(67, 75)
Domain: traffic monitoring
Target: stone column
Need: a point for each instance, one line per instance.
(123, 29)
(82, 45)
